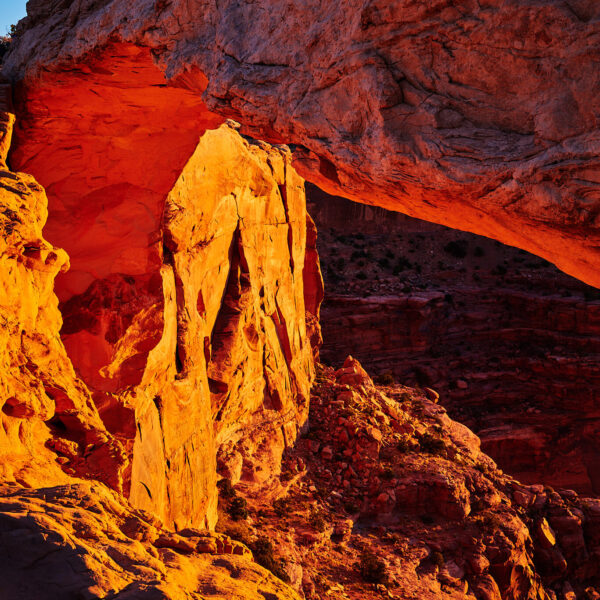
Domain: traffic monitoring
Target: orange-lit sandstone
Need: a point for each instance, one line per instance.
(191, 306)
(478, 115)
(48, 417)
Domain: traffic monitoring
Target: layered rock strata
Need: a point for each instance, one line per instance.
(510, 343)
(481, 116)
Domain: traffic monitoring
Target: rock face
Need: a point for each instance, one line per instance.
(510, 343)
(192, 341)
(385, 495)
(479, 115)
(48, 417)
(83, 541)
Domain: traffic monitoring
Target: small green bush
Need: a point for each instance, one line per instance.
(226, 490)
(432, 444)
(437, 558)
(282, 506)
(317, 520)
(387, 473)
(372, 568)
(403, 445)
(237, 509)
(262, 549)
(386, 378)
(457, 248)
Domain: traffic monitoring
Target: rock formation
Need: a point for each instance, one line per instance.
(204, 354)
(191, 340)
(386, 496)
(479, 115)
(190, 312)
(83, 541)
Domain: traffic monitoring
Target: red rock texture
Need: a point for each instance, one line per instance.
(84, 541)
(384, 472)
(477, 115)
(48, 418)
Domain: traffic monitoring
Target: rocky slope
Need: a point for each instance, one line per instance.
(386, 496)
(478, 115)
(510, 343)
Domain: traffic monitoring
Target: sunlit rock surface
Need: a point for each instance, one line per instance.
(479, 115)
(84, 541)
(50, 426)
(192, 341)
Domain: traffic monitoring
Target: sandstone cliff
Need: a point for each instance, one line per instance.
(193, 344)
(478, 115)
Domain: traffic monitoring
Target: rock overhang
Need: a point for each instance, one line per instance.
(479, 116)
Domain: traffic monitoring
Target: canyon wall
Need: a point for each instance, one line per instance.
(184, 330)
(478, 115)
(510, 343)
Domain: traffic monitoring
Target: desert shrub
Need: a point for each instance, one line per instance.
(403, 444)
(500, 270)
(457, 248)
(372, 568)
(479, 251)
(387, 473)
(237, 509)
(282, 506)
(226, 490)
(386, 378)
(317, 520)
(432, 444)
(239, 531)
(357, 254)
(5, 40)
(361, 275)
(384, 263)
(262, 549)
(402, 264)
(4, 45)
(437, 558)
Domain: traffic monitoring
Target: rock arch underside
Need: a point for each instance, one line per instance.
(167, 333)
